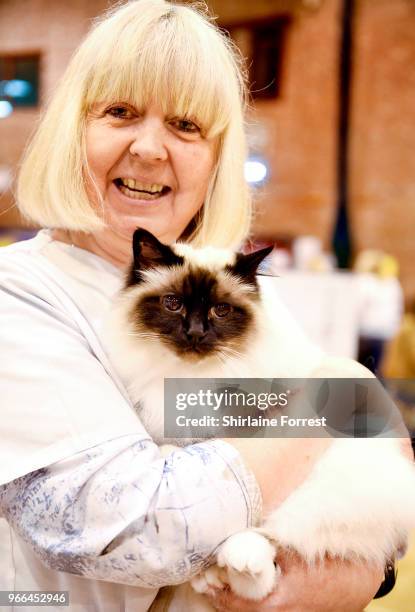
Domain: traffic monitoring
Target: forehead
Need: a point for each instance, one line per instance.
(165, 64)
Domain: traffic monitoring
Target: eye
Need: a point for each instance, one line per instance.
(185, 125)
(173, 303)
(222, 310)
(120, 111)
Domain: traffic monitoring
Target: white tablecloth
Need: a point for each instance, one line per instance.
(328, 307)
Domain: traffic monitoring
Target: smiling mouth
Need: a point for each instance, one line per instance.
(141, 191)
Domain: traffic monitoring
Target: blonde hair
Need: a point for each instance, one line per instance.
(141, 51)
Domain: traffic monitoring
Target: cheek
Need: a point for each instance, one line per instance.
(196, 168)
(94, 153)
(100, 156)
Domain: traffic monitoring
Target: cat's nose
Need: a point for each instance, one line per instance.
(196, 330)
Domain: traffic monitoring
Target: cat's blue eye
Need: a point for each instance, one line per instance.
(222, 309)
(174, 303)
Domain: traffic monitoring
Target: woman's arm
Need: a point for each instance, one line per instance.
(122, 513)
(330, 587)
(280, 465)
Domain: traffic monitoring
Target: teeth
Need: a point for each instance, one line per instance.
(139, 195)
(137, 186)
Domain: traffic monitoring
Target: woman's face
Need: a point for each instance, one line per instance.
(151, 170)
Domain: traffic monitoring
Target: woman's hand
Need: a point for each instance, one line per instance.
(333, 586)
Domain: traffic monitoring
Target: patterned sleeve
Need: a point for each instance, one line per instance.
(120, 512)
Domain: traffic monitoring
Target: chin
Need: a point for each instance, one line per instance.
(125, 226)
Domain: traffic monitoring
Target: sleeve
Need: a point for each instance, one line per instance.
(120, 512)
(58, 395)
(82, 482)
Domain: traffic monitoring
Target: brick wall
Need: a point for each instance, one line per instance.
(382, 147)
(301, 128)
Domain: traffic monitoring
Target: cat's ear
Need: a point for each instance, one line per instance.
(149, 252)
(246, 266)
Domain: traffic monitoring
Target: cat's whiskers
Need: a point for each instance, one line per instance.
(221, 357)
(231, 352)
(142, 335)
(225, 358)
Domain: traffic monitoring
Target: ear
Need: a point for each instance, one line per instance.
(246, 266)
(149, 252)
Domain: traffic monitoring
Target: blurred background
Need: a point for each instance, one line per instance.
(331, 135)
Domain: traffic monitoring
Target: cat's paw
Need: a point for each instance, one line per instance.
(248, 558)
(214, 576)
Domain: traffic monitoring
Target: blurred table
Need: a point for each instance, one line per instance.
(328, 307)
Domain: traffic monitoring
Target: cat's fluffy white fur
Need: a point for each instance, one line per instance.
(358, 502)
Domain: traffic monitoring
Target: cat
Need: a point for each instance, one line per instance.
(201, 313)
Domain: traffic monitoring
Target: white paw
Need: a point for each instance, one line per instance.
(214, 576)
(249, 560)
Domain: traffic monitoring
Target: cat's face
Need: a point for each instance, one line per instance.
(197, 302)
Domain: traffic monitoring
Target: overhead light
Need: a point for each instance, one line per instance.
(255, 171)
(6, 109)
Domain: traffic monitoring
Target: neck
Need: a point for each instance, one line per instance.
(116, 250)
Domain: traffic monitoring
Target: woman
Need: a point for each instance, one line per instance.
(146, 129)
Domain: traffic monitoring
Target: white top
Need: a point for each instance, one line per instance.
(86, 492)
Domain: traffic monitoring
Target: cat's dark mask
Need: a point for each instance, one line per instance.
(202, 309)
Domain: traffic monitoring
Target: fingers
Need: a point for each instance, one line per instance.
(225, 601)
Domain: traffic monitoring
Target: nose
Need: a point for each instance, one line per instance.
(196, 330)
(148, 142)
